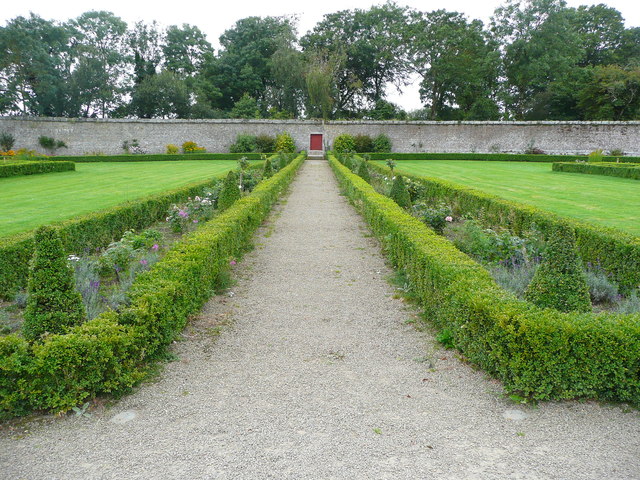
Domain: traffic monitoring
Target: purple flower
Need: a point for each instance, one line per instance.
(143, 262)
(95, 285)
(232, 262)
(155, 247)
(448, 219)
(183, 214)
(195, 220)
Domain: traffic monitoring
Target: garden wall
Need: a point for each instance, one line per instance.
(85, 136)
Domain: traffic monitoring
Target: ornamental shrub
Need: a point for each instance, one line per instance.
(192, 147)
(285, 143)
(399, 193)
(363, 172)
(7, 141)
(560, 281)
(381, 144)
(344, 143)
(230, 191)
(244, 143)
(363, 143)
(172, 149)
(267, 171)
(265, 144)
(51, 144)
(53, 306)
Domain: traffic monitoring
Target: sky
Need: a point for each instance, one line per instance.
(214, 20)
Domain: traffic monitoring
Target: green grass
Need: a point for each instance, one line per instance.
(27, 202)
(610, 201)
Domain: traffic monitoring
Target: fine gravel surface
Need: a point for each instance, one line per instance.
(310, 367)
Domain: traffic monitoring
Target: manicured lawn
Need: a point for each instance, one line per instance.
(27, 202)
(610, 201)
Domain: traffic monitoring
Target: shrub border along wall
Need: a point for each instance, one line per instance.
(90, 231)
(609, 169)
(110, 352)
(33, 168)
(492, 157)
(157, 157)
(544, 354)
(617, 252)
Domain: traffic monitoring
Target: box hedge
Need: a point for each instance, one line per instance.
(623, 170)
(111, 352)
(617, 252)
(155, 157)
(495, 157)
(33, 168)
(539, 353)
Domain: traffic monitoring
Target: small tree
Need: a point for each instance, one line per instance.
(363, 172)
(53, 305)
(285, 143)
(243, 164)
(267, 171)
(399, 193)
(6, 141)
(560, 281)
(344, 143)
(391, 164)
(230, 191)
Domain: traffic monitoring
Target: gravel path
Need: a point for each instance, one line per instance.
(310, 370)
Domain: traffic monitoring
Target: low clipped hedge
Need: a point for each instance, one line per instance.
(111, 352)
(495, 157)
(610, 169)
(617, 252)
(155, 157)
(539, 353)
(33, 168)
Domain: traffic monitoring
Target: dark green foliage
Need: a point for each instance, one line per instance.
(267, 172)
(111, 352)
(363, 172)
(54, 305)
(363, 143)
(265, 144)
(6, 141)
(538, 353)
(498, 157)
(617, 252)
(623, 170)
(50, 143)
(381, 144)
(230, 191)
(244, 143)
(32, 168)
(344, 143)
(560, 281)
(399, 193)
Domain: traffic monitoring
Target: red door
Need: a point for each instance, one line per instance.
(316, 141)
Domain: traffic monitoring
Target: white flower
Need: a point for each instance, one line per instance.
(73, 258)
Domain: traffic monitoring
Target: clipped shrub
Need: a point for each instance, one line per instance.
(267, 171)
(265, 144)
(244, 143)
(363, 172)
(381, 144)
(363, 143)
(53, 306)
(344, 143)
(230, 191)
(596, 156)
(192, 147)
(6, 141)
(399, 193)
(560, 281)
(609, 169)
(172, 149)
(32, 168)
(285, 143)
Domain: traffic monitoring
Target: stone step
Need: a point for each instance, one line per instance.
(315, 155)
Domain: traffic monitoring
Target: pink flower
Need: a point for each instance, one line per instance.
(448, 219)
(143, 262)
(195, 220)
(183, 214)
(155, 247)
(232, 262)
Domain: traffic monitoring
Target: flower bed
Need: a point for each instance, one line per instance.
(33, 168)
(539, 353)
(610, 169)
(112, 352)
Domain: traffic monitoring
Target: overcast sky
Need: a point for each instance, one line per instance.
(213, 18)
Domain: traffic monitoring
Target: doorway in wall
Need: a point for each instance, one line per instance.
(315, 141)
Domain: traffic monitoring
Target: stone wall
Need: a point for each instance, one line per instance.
(106, 136)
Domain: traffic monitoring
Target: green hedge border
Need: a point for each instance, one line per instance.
(90, 231)
(490, 157)
(543, 354)
(157, 157)
(111, 352)
(615, 251)
(608, 169)
(34, 168)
